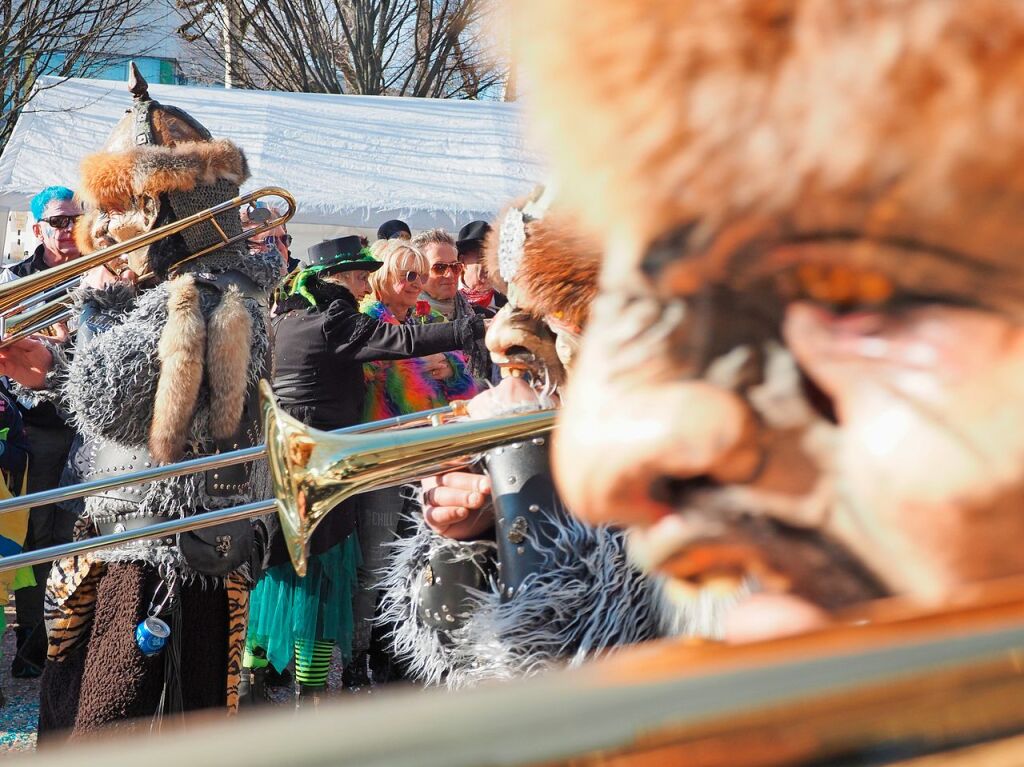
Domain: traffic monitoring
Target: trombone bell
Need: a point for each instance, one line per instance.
(313, 471)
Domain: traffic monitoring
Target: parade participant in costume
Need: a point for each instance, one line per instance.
(812, 235)
(481, 592)
(321, 344)
(157, 375)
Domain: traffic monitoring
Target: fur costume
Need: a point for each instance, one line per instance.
(158, 375)
(112, 180)
(588, 601)
(113, 391)
(744, 160)
(558, 271)
(587, 598)
(725, 116)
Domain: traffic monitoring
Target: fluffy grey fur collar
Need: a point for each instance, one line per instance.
(116, 297)
(589, 601)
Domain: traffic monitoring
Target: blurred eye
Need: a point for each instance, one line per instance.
(839, 285)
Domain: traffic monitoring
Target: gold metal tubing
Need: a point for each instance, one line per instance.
(13, 294)
(314, 471)
(210, 462)
(37, 327)
(326, 472)
(47, 312)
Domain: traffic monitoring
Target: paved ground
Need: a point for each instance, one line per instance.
(19, 716)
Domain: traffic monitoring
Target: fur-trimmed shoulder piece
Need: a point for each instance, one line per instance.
(559, 269)
(110, 180)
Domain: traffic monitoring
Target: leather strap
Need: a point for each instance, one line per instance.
(129, 522)
(221, 281)
(526, 508)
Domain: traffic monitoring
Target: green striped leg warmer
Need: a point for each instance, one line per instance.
(311, 668)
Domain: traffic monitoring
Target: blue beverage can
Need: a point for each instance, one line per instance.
(151, 635)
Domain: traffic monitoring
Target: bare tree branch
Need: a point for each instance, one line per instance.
(60, 39)
(377, 47)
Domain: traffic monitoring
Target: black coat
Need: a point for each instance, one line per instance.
(44, 415)
(318, 365)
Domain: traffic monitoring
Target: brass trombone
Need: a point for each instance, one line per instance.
(23, 294)
(435, 417)
(313, 471)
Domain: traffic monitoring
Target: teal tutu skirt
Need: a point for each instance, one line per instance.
(286, 611)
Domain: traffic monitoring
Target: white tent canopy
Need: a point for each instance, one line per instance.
(351, 161)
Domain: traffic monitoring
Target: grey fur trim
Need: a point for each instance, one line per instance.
(587, 602)
(111, 387)
(111, 384)
(117, 296)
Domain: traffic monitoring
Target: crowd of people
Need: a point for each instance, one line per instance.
(362, 332)
(351, 332)
(788, 372)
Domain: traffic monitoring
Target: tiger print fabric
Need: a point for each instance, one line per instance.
(238, 615)
(70, 602)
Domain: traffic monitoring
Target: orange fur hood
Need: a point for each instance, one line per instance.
(112, 180)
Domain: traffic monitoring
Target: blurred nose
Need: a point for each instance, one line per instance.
(635, 430)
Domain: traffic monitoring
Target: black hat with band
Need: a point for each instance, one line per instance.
(342, 254)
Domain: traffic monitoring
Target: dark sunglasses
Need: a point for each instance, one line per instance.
(412, 277)
(61, 222)
(441, 270)
(286, 239)
(268, 241)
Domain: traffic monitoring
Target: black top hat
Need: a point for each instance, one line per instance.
(392, 228)
(472, 234)
(342, 254)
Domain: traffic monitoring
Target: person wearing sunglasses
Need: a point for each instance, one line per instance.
(395, 388)
(272, 239)
(441, 291)
(321, 343)
(55, 211)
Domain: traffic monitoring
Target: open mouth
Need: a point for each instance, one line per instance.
(517, 362)
(757, 563)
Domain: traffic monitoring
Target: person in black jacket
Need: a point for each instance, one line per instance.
(55, 211)
(321, 343)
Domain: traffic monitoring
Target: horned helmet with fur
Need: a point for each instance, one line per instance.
(159, 165)
(807, 357)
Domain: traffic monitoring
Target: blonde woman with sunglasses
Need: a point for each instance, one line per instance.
(393, 388)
